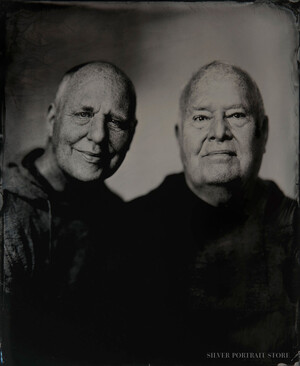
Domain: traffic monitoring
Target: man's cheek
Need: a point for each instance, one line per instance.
(119, 142)
(192, 147)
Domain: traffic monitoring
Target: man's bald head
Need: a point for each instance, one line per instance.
(218, 70)
(95, 68)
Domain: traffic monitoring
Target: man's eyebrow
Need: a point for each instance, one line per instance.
(234, 106)
(197, 108)
(87, 108)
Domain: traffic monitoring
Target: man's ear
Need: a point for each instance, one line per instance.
(265, 131)
(177, 131)
(51, 115)
(132, 131)
(133, 127)
(134, 124)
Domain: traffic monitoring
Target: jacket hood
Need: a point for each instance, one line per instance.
(18, 179)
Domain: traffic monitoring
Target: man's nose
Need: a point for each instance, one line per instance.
(97, 130)
(219, 129)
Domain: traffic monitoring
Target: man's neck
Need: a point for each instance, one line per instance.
(47, 166)
(213, 195)
(233, 194)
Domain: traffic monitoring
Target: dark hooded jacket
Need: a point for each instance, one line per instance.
(63, 268)
(41, 224)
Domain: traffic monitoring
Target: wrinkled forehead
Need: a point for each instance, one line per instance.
(217, 86)
(94, 88)
(106, 83)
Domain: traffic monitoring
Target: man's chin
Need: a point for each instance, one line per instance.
(88, 176)
(224, 180)
(222, 176)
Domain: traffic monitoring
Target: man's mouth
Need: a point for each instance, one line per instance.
(220, 152)
(90, 157)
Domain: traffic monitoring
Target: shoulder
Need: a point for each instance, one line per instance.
(15, 206)
(23, 220)
(282, 236)
(19, 180)
(25, 228)
(19, 211)
(279, 208)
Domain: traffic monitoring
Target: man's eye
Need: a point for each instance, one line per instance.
(237, 115)
(117, 124)
(85, 114)
(200, 118)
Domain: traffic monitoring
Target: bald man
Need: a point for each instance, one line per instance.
(62, 259)
(219, 242)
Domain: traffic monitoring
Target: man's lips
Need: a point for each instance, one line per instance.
(220, 152)
(89, 156)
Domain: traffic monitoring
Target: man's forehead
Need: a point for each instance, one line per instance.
(219, 87)
(215, 77)
(97, 79)
(93, 87)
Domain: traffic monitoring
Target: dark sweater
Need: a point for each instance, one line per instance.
(215, 279)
